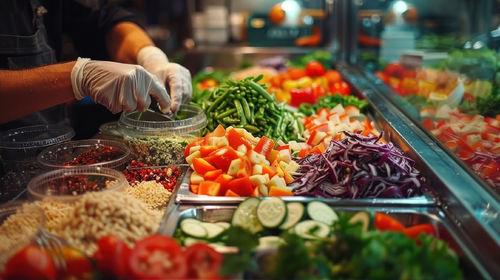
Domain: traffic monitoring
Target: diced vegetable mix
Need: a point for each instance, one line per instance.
(232, 162)
(321, 243)
(474, 139)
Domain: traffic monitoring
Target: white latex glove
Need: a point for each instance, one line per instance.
(176, 78)
(118, 86)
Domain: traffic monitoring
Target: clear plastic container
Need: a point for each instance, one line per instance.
(66, 185)
(92, 152)
(19, 149)
(110, 131)
(158, 140)
(18, 227)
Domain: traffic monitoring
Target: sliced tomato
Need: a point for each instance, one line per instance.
(157, 257)
(222, 157)
(212, 175)
(223, 180)
(31, 262)
(385, 222)
(203, 261)
(315, 69)
(264, 146)
(241, 186)
(415, 231)
(209, 188)
(112, 256)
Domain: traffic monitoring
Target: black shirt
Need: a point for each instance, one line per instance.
(86, 22)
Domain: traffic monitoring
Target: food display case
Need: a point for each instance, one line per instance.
(362, 132)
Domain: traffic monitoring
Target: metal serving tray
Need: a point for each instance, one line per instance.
(408, 216)
(185, 196)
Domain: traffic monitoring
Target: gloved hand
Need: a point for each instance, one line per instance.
(117, 86)
(173, 75)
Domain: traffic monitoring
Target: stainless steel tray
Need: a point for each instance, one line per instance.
(185, 196)
(408, 216)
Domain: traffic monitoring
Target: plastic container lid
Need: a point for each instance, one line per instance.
(35, 136)
(189, 119)
(66, 155)
(65, 185)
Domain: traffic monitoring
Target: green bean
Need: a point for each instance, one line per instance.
(230, 121)
(252, 116)
(241, 114)
(246, 109)
(222, 105)
(261, 91)
(251, 128)
(217, 102)
(225, 114)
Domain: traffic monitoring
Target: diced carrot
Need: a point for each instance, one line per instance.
(241, 186)
(209, 188)
(212, 175)
(202, 166)
(318, 149)
(219, 131)
(288, 178)
(205, 150)
(303, 153)
(266, 169)
(231, 193)
(223, 180)
(194, 188)
(275, 191)
(284, 147)
(273, 154)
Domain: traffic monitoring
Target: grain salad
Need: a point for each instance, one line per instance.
(17, 229)
(96, 215)
(152, 193)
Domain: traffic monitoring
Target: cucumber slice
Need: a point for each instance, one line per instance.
(363, 218)
(194, 229)
(295, 212)
(188, 241)
(310, 229)
(225, 225)
(190, 220)
(213, 230)
(245, 215)
(271, 212)
(321, 212)
(270, 242)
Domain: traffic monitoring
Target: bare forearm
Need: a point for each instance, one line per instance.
(125, 40)
(23, 92)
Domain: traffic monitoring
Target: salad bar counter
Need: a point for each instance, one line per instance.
(292, 168)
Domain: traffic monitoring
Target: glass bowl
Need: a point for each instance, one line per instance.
(92, 152)
(67, 185)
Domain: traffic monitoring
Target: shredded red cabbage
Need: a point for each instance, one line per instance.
(358, 167)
